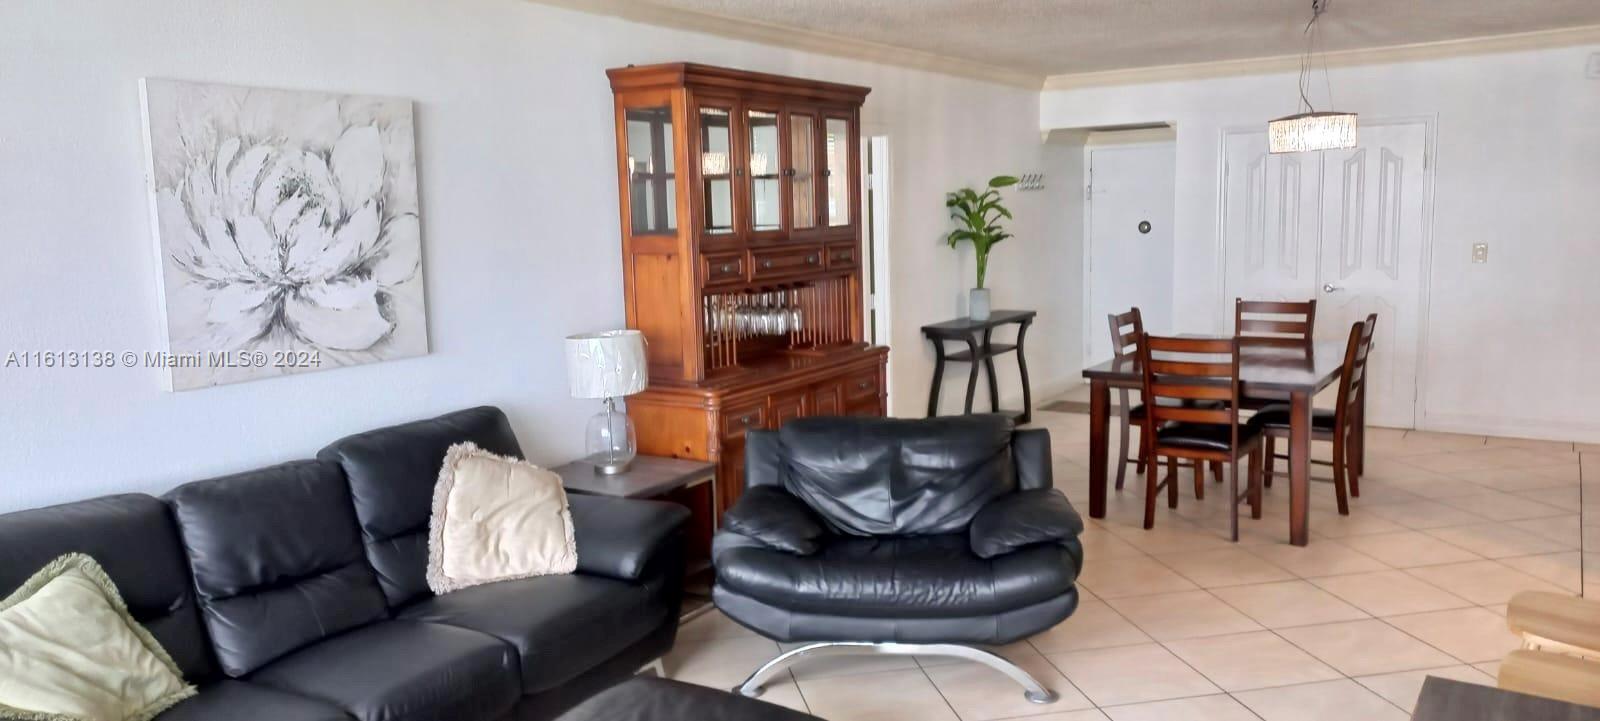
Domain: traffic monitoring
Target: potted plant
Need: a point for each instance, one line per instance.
(978, 217)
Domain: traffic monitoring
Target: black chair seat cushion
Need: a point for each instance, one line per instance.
(653, 699)
(561, 626)
(1276, 417)
(240, 701)
(1205, 436)
(899, 577)
(404, 671)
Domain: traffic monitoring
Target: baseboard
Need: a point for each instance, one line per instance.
(1510, 427)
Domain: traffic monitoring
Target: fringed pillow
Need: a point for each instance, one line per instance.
(496, 519)
(70, 651)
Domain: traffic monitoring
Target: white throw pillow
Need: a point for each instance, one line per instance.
(70, 651)
(496, 519)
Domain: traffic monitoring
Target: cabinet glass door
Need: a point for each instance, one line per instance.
(802, 171)
(838, 148)
(716, 170)
(652, 192)
(766, 178)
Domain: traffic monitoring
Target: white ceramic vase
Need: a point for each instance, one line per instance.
(978, 304)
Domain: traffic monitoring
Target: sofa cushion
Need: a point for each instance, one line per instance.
(392, 472)
(240, 701)
(899, 577)
(561, 626)
(277, 560)
(886, 476)
(404, 671)
(133, 538)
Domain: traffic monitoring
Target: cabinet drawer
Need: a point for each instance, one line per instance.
(789, 406)
(735, 421)
(841, 255)
(861, 386)
(722, 268)
(781, 262)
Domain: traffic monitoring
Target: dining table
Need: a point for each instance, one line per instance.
(1292, 373)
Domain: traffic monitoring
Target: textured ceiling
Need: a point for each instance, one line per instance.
(1053, 37)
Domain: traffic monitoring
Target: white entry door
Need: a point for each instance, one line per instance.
(1346, 227)
(1130, 239)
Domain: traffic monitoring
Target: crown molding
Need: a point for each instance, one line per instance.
(1344, 58)
(798, 39)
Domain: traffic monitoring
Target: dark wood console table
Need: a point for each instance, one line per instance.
(978, 336)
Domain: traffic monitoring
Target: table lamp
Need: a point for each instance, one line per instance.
(608, 365)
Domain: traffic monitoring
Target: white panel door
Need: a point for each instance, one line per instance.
(1373, 233)
(1346, 227)
(1269, 221)
(1130, 263)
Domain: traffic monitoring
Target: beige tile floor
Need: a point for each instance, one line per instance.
(1178, 623)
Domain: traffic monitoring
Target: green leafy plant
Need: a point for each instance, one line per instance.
(978, 215)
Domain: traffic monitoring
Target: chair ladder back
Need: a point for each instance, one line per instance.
(1286, 323)
(1126, 330)
(1189, 369)
(1353, 381)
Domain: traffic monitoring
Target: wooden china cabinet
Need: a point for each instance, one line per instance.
(741, 256)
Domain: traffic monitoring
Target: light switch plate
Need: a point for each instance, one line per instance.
(1480, 252)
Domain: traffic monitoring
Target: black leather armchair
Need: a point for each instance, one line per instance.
(918, 537)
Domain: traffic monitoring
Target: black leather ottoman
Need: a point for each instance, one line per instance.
(643, 698)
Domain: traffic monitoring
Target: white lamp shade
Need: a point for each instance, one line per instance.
(609, 364)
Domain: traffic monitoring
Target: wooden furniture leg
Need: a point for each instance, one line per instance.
(1122, 448)
(1339, 470)
(1172, 482)
(988, 367)
(972, 377)
(1255, 482)
(1299, 468)
(1358, 445)
(1270, 451)
(1150, 487)
(1233, 500)
(1099, 437)
(1022, 368)
(938, 378)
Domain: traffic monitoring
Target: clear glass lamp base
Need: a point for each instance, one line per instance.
(609, 441)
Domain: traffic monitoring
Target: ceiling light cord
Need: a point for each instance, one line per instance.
(1318, 7)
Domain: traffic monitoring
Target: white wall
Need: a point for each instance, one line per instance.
(516, 164)
(1512, 344)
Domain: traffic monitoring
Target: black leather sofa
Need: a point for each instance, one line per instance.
(899, 536)
(297, 593)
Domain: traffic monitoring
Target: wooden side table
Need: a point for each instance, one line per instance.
(691, 484)
(978, 337)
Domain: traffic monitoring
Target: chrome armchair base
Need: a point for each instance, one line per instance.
(1032, 689)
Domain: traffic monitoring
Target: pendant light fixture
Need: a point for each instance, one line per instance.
(1309, 129)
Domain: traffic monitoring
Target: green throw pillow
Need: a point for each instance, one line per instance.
(69, 651)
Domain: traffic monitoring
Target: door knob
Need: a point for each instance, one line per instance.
(1330, 288)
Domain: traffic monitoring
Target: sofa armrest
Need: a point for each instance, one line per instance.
(776, 519)
(1023, 519)
(620, 537)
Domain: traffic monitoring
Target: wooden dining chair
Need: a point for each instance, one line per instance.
(1185, 372)
(1275, 322)
(1336, 425)
(1126, 331)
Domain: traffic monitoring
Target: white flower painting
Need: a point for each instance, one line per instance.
(287, 228)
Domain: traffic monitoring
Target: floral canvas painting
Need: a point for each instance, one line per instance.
(287, 230)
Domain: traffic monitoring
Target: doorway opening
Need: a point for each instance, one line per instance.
(875, 275)
(1129, 186)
